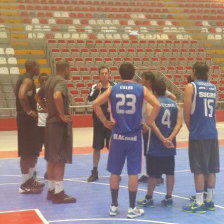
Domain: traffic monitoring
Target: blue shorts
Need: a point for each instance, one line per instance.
(122, 147)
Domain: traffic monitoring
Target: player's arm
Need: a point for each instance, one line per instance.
(148, 109)
(58, 99)
(22, 95)
(157, 132)
(94, 92)
(101, 99)
(177, 127)
(152, 100)
(39, 99)
(188, 94)
(171, 95)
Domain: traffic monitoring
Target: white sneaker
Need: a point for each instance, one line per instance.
(113, 210)
(134, 212)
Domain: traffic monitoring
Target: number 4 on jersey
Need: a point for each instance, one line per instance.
(166, 118)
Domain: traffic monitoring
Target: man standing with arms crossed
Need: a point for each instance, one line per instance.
(199, 116)
(126, 100)
(101, 134)
(28, 138)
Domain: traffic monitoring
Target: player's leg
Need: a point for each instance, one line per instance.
(51, 180)
(116, 160)
(213, 169)
(134, 162)
(98, 145)
(199, 167)
(144, 177)
(169, 166)
(154, 171)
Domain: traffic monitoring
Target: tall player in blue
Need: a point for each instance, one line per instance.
(126, 101)
(162, 145)
(199, 116)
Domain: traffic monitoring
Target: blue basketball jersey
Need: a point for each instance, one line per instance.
(126, 100)
(202, 119)
(165, 121)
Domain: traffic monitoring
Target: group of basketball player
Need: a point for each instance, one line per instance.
(134, 109)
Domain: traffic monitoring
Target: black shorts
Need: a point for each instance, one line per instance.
(28, 135)
(101, 138)
(41, 137)
(156, 166)
(204, 156)
(59, 142)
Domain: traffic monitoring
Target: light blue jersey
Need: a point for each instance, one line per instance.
(202, 119)
(126, 101)
(165, 121)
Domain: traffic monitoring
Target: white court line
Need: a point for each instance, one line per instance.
(9, 183)
(41, 216)
(24, 210)
(111, 219)
(140, 189)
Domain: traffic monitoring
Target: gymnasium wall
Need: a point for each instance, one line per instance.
(79, 121)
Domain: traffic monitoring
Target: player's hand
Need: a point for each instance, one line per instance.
(65, 118)
(109, 124)
(99, 86)
(145, 128)
(168, 143)
(32, 114)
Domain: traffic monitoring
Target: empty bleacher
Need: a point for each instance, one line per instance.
(168, 36)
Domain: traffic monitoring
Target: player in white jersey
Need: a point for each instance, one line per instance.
(42, 115)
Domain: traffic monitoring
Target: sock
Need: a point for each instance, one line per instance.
(148, 197)
(210, 194)
(58, 186)
(168, 196)
(199, 197)
(95, 169)
(132, 198)
(206, 186)
(51, 185)
(25, 177)
(31, 171)
(114, 196)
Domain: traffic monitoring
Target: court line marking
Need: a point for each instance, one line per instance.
(139, 189)
(38, 212)
(111, 219)
(23, 210)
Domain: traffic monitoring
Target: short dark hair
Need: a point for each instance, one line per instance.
(103, 67)
(29, 64)
(189, 79)
(149, 76)
(159, 87)
(201, 70)
(127, 71)
(43, 75)
(61, 66)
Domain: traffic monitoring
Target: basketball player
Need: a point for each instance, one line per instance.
(126, 100)
(162, 145)
(101, 134)
(59, 137)
(199, 116)
(28, 138)
(148, 78)
(193, 197)
(42, 115)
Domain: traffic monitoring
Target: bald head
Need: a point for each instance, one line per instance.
(62, 68)
(32, 67)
